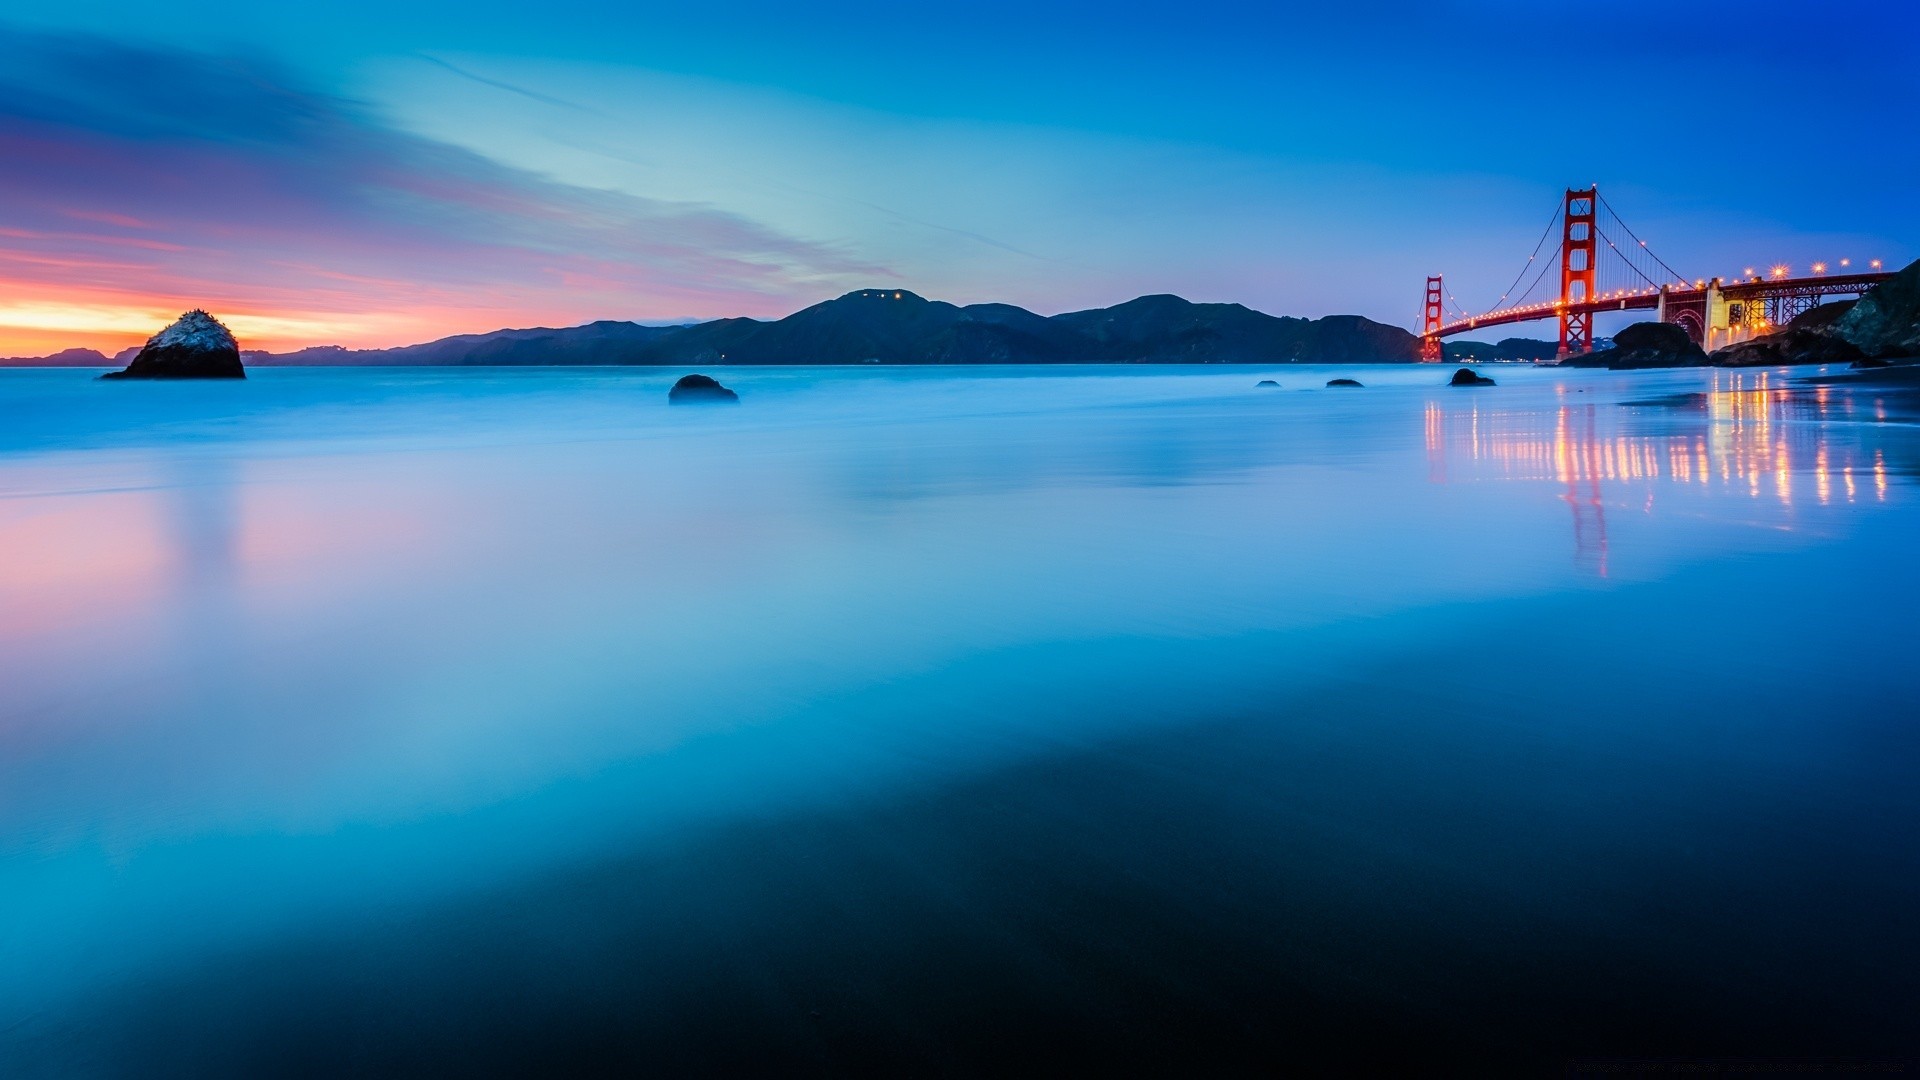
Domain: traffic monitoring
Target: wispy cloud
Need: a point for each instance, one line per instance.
(139, 179)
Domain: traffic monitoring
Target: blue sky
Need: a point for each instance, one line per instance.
(380, 172)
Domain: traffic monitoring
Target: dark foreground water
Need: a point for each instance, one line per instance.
(957, 722)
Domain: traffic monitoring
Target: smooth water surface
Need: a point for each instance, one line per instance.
(954, 721)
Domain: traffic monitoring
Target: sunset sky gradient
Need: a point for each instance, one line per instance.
(378, 174)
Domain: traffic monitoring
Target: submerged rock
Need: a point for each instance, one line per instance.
(1469, 377)
(1265, 382)
(196, 346)
(700, 390)
(1343, 382)
(1645, 345)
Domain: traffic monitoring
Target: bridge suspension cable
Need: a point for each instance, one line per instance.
(1552, 263)
(1627, 261)
(1632, 267)
(1674, 276)
(1558, 208)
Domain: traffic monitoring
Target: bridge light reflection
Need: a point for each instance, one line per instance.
(1752, 438)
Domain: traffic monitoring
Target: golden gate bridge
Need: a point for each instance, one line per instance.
(1605, 267)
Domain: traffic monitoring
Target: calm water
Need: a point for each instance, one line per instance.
(951, 721)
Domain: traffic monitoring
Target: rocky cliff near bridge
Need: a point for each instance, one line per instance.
(1809, 339)
(1885, 324)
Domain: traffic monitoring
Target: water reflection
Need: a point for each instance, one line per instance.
(1750, 435)
(421, 691)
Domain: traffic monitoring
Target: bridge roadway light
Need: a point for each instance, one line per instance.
(1819, 268)
(1875, 264)
(1779, 271)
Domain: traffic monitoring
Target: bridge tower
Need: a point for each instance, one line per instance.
(1578, 249)
(1431, 317)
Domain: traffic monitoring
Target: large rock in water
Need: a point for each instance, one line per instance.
(1466, 376)
(1645, 345)
(701, 390)
(196, 346)
(1886, 321)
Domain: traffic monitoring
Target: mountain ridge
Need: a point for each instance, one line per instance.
(900, 327)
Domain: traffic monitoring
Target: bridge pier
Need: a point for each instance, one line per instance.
(1716, 330)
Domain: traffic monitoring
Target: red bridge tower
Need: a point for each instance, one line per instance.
(1430, 319)
(1577, 251)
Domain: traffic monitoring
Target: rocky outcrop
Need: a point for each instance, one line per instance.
(1886, 321)
(1880, 327)
(1469, 377)
(1343, 382)
(1821, 318)
(1266, 382)
(701, 390)
(196, 346)
(1791, 346)
(1645, 345)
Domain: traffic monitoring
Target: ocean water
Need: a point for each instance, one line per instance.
(953, 722)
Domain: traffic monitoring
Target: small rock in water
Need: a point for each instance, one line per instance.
(700, 390)
(196, 346)
(1343, 382)
(1470, 377)
(1266, 382)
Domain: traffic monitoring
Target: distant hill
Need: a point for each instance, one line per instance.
(1166, 329)
(1524, 349)
(894, 326)
(605, 342)
(65, 358)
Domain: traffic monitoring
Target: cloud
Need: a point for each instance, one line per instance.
(142, 180)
